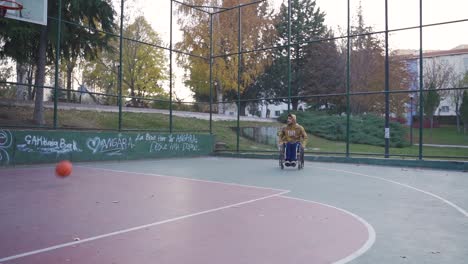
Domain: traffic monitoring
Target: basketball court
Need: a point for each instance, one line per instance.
(226, 210)
(215, 209)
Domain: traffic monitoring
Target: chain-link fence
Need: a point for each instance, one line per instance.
(234, 68)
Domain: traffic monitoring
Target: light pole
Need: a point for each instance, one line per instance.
(411, 96)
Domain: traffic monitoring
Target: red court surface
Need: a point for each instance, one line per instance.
(103, 216)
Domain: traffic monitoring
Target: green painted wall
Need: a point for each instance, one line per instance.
(37, 146)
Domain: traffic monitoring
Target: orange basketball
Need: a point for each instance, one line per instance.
(63, 168)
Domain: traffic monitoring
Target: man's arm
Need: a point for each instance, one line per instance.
(281, 137)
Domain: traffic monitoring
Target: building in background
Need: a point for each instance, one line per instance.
(263, 109)
(454, 60)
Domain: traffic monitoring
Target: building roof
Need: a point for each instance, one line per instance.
(443, 53)
(414, 54)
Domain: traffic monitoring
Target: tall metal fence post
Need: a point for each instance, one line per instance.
(211, 73)
(57, 61)
(239, 71)
(421, 75)
(348, 78)
(289, 56)
(387, 87)
(170, 71)
(120, 62)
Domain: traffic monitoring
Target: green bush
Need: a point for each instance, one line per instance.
(364, 129)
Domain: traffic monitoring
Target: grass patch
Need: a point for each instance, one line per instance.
(364, 129)
(223, 130)
(446, 135)
(320, 144)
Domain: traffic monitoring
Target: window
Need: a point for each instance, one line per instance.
(277, 113)
(465, 61)
(444, 109)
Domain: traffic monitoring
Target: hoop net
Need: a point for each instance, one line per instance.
(6, 5)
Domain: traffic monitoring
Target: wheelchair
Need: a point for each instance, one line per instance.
(299, 157)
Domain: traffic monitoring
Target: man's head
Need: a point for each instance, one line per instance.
(291, 119)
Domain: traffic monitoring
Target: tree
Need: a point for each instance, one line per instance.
(80, 42)
(307, 24)
(91, 14)
(5, 70)
(437, 73)
(5, 73)
(143, 65)
(28, 44)
(464, 111)
(431, 102)
(256, 29)
(38, 114)
(101, 75)
(367, 72)
(20, 41)
(458, 81)
(323, 74)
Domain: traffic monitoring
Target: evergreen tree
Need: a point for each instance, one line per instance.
(308, 68)
(431, 102)
(80, 42)
(460, 80)
(33, 44)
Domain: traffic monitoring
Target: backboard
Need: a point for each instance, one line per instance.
(34, 11)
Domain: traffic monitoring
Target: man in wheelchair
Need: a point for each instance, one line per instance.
(292, 137)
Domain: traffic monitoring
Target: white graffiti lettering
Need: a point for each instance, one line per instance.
(149, 137)
(110, 146)
(184, 147)
(188, 138)
(157, 147)
(44, 145)
(5, 144)
(189, 147)
(139, 138)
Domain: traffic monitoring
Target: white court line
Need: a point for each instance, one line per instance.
(354, 255)
(371, 232)
(136, 228)
(188, 179)
(458, 208)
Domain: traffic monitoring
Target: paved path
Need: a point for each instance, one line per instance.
(443, 146)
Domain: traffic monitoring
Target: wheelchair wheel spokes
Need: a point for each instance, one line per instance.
(300, 160)
(281, 157)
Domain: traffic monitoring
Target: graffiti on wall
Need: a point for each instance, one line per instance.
(179, 142)
(30, 146)
(5, 143)
(110, 146)
(47, 145)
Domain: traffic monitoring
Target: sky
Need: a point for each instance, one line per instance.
(402, 13)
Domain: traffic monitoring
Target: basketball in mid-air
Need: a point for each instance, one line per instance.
(63, 168)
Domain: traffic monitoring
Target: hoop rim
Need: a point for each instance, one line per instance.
(5, 7)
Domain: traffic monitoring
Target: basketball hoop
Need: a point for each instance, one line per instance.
(12, 5)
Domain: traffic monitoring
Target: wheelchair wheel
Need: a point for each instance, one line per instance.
(300, 160)
(281, 157)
